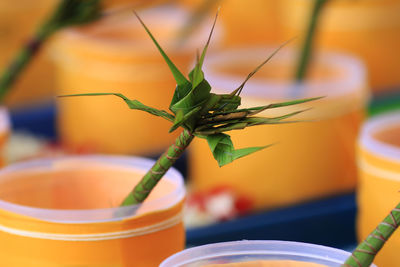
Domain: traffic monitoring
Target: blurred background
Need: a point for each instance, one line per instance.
(301, 189)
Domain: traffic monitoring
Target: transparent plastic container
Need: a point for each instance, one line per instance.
(64, 212)
(116, 55)
(246, 251)
(378, 190)
(310, 159)
(374, 36)
(5, 130)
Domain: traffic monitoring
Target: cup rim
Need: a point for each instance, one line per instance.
(258, 247)
(353, 80)
(378, 147)
(5, 122)
(80, 216)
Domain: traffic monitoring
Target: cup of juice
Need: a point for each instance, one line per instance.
(18, 22)
(256, 253)
(374, 36)
(378, 190)
(311, 158)
(116, 55)
(65, 212)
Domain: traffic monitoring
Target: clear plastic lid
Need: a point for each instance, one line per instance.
(121, 36)
(134, 164)
(5, 123)
(369, 137)
(242, 251)
(339, 78)
(344, 74)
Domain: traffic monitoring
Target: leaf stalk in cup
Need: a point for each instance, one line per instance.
(307, 46)
(366, 251)
(201, 114)
(67, 13)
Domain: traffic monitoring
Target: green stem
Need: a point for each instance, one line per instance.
(67, 13)
(10, 75)
(366, 251)
(160, 167)
(307, 47)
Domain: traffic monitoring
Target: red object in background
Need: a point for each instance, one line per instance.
(220, 203)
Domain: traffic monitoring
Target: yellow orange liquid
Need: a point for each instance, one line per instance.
(378, 192)
(374, 35)
(310, 159)
(90, 186)
(267, 264)
(18, 22)
(116, 55)
(390, 136)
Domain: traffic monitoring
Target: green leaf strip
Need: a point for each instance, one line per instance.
(255, 110)
(238, 124)
(240, 88)
(179, 77)
(133, 104)
(223, 151)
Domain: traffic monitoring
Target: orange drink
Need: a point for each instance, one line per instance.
(257, 253)
(378, 190)
(18, 22)
(116, 55)
(64, 212)
(374, 35)
(310, 159)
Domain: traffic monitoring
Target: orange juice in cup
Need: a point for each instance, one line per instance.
(18, 22)
(258, 253)
(116, 55)
(378, 190)
(64, 212)
(373, 36)
(310, 159)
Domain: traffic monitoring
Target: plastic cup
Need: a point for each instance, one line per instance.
(5, 129)
(18, 22)
(310, 159)
(117, 55)
(64, 212)
(374, 36)
(378, 190)
(246, 251)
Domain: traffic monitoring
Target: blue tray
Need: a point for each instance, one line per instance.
(329, 221)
